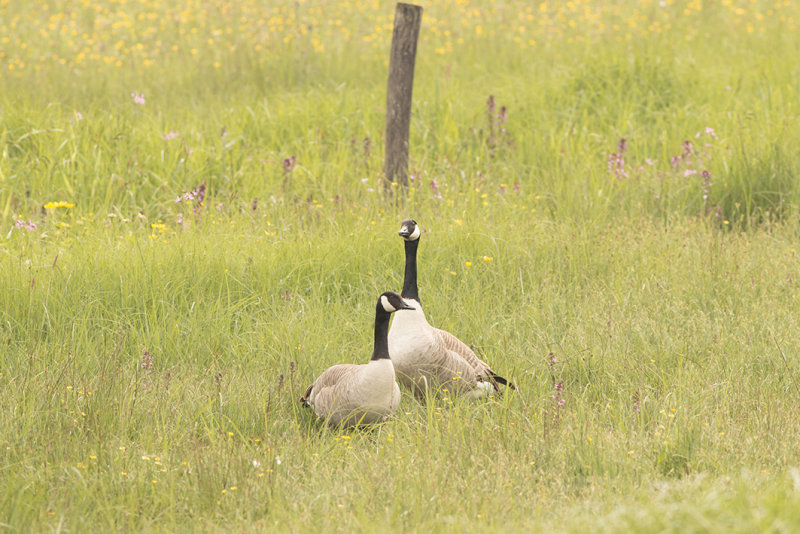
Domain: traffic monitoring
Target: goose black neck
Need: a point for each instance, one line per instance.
(410, 276)
(381, 347)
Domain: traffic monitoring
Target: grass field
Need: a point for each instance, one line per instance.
(193, 226)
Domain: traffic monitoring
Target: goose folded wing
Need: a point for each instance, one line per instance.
(455, 345)
(336, 382)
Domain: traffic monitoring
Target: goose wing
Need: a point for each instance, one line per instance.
(481, 369)
(335, 382)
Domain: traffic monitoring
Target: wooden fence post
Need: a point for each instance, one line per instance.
(407, 18)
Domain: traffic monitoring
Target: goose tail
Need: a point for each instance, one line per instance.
(304, 398)
(497, 379)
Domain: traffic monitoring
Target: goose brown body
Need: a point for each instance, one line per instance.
(355, 394)
(427, 358)
(351, 394)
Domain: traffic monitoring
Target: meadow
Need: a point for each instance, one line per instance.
(193, 225)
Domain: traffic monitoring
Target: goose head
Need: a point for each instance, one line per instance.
(391, 302)
(409, 230)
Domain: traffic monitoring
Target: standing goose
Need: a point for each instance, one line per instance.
(350, 394)
(425, 356)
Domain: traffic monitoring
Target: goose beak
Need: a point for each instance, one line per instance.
(404, 232)
(407, 307)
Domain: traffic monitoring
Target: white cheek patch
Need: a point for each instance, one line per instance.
(415, 234)
(386, 304)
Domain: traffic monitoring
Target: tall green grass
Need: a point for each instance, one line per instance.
(153, 350)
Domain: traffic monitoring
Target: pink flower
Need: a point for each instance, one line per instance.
(289, 163)
(171, 135)
(138, 99)
(29, 226)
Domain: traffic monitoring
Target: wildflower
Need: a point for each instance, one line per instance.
(138, 98)
(146, 362)
(687, 149)
(288, 164)
(59, 204)
(29, 226)
(171, 135)
(616, 160)
(487, 259)
(435, 187)
(468, 263)
(706, 184)
(78, 116)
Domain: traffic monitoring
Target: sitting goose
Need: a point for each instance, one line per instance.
(350, 394)
(425, 356)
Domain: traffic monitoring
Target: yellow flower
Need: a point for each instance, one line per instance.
(59, 204)
(487, 259)
(468, 263)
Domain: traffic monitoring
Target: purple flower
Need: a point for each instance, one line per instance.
(146, 362)
(616, 160)
(200, 193)
(78, 116)
(197, 195)
(288, 164)
(171, 135)
(29, 226)
(435, 187)
(689, 172)
(706, 184)
(138, 99)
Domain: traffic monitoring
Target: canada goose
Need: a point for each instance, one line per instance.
(425, 356)
(350, 394)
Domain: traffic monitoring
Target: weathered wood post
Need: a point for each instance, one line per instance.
(407, 18)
